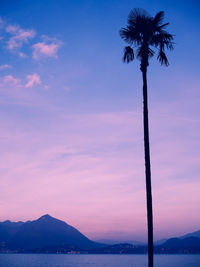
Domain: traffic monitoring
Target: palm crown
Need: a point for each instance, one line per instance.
(144, 33)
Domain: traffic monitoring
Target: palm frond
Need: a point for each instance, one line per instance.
(140, 20)
(128, 54)
(165, 34)
(162, 58)
(142, 51)
(130, 35)
(158, 19)
(170, 45)
(146, 32)
(137, 13)
(163, 39)
(163, 25)
(126, 35)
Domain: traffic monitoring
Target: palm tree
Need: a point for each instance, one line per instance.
(144, 32)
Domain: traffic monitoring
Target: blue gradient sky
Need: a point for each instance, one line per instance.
(71, 118)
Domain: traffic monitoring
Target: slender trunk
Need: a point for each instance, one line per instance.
(147, 169)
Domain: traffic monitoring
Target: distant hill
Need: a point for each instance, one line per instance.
(43, 232)
(114, 242)
(195, 234)
(123, 248)
(188, 242)
(171, 246)
(180, 245)
(132, 242)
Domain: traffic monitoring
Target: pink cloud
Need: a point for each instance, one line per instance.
(18, 37)
(12, 29)
(5, 66)
(33, 79)
(13, 90)
(43, 49)
(9, 80)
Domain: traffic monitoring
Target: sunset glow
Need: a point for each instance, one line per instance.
(71, 119)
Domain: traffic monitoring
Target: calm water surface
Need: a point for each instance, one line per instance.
(53, 260)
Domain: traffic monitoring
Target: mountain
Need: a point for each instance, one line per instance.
(195, 234)
(188, 242)
(180, 245)
(43, 232)
(122, 248)
(132, 242)
(114, 242)
(171, 246)
(7, 229)
(48, 234)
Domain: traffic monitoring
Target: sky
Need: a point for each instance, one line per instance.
(71, 133)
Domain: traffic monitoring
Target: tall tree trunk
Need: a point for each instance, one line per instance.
(147, 169)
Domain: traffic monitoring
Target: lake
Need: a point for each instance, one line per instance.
(61, 260)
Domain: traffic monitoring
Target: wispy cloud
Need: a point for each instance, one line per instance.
(100, 157)
(47, 48)
(33, 79)
(10, 80)
(13, 90)
(16, 37)
(5, 66)
(19, 36)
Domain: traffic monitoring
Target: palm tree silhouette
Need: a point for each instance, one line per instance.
(144, 32)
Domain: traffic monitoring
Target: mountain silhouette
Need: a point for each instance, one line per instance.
(43, 232)
(195, 234)
(48, 234)
(180, 245)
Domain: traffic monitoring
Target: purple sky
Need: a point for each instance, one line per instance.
(71, 136)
